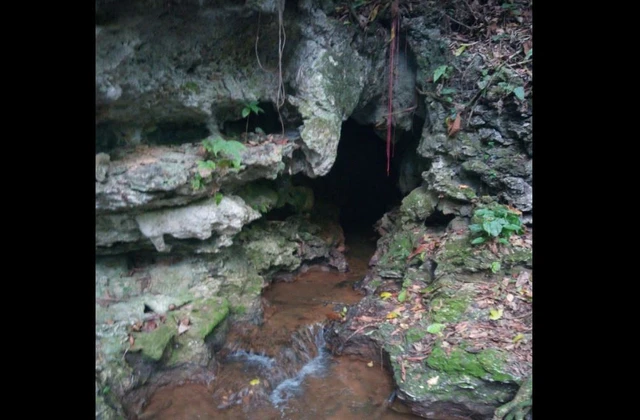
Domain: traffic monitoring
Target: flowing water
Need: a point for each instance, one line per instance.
(282, 370)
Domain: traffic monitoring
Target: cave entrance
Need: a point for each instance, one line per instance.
(358, 183)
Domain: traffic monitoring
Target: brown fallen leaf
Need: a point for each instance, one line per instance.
(184, 326)
(333, 316)
(149, 326)
(454, 127)
(365, 318)
(419, 250)
(523, 278)
(132, 341)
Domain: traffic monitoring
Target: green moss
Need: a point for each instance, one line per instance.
(206, 315)
(375, 284)
(469, 193)
(399, 249)
(489, 364)
(449, 309)
(153, 343)
(519, 256)
(238, 310)
(456, 252)
(493, 361)
(418, 205)
(414, 334)
(260, 196)
(191, 87)
(457, 362)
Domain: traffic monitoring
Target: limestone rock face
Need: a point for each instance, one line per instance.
(196, 220)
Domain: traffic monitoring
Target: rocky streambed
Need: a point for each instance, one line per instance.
(234, 146)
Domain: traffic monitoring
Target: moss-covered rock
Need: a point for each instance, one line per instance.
(204, 316)
(399, 249)
(418, 205)
(153, 343)
(259, 196)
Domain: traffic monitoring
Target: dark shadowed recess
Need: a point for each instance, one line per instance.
(358, 183)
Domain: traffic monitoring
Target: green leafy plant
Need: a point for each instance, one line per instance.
(507, 83)
(250, 107)
(230, 149)
(442, 71)
(218, 198)
(495, 314)
(221, 154)
(495, 267)
(196, 182)
(436, 328)
(495, 222)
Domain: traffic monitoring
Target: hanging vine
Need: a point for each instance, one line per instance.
(392, 52)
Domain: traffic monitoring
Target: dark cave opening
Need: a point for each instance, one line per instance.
(358, 183)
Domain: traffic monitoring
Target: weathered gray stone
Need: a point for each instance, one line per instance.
(519, 193)
(196, 220)
(418, 205)
(102, 166)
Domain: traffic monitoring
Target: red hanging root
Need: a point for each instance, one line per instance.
(392, 50)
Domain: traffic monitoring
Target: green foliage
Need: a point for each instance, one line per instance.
(231, 149)
(435, 328)
(441, 71)
(206, 164)
(528, 54)
(218, 198)
(402, 296)
(496, 221)
(226, 154)
(196, 182)
(495, 314)
(250, 107)
(507, 83)
(192, 87)
(519, 92)
(495, 267)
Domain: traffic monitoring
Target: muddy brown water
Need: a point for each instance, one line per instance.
(281, 369)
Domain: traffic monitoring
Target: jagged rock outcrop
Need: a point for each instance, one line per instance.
(171, 248)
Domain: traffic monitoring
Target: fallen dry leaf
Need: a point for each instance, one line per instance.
(523, 278)
(149, 326)
(184, 326)
(433, 381)
(453, 127)
(365, 318)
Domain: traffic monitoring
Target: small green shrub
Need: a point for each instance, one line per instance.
(221, 154)
(196, 182)
(496, 221)
(231, 149)
(250, 107)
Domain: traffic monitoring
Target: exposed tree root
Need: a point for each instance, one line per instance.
(521, 404)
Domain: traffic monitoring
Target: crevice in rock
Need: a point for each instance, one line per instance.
(111, 135)
(267, 121)
(438, 218)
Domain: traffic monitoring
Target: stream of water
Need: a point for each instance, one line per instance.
(282, 369)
